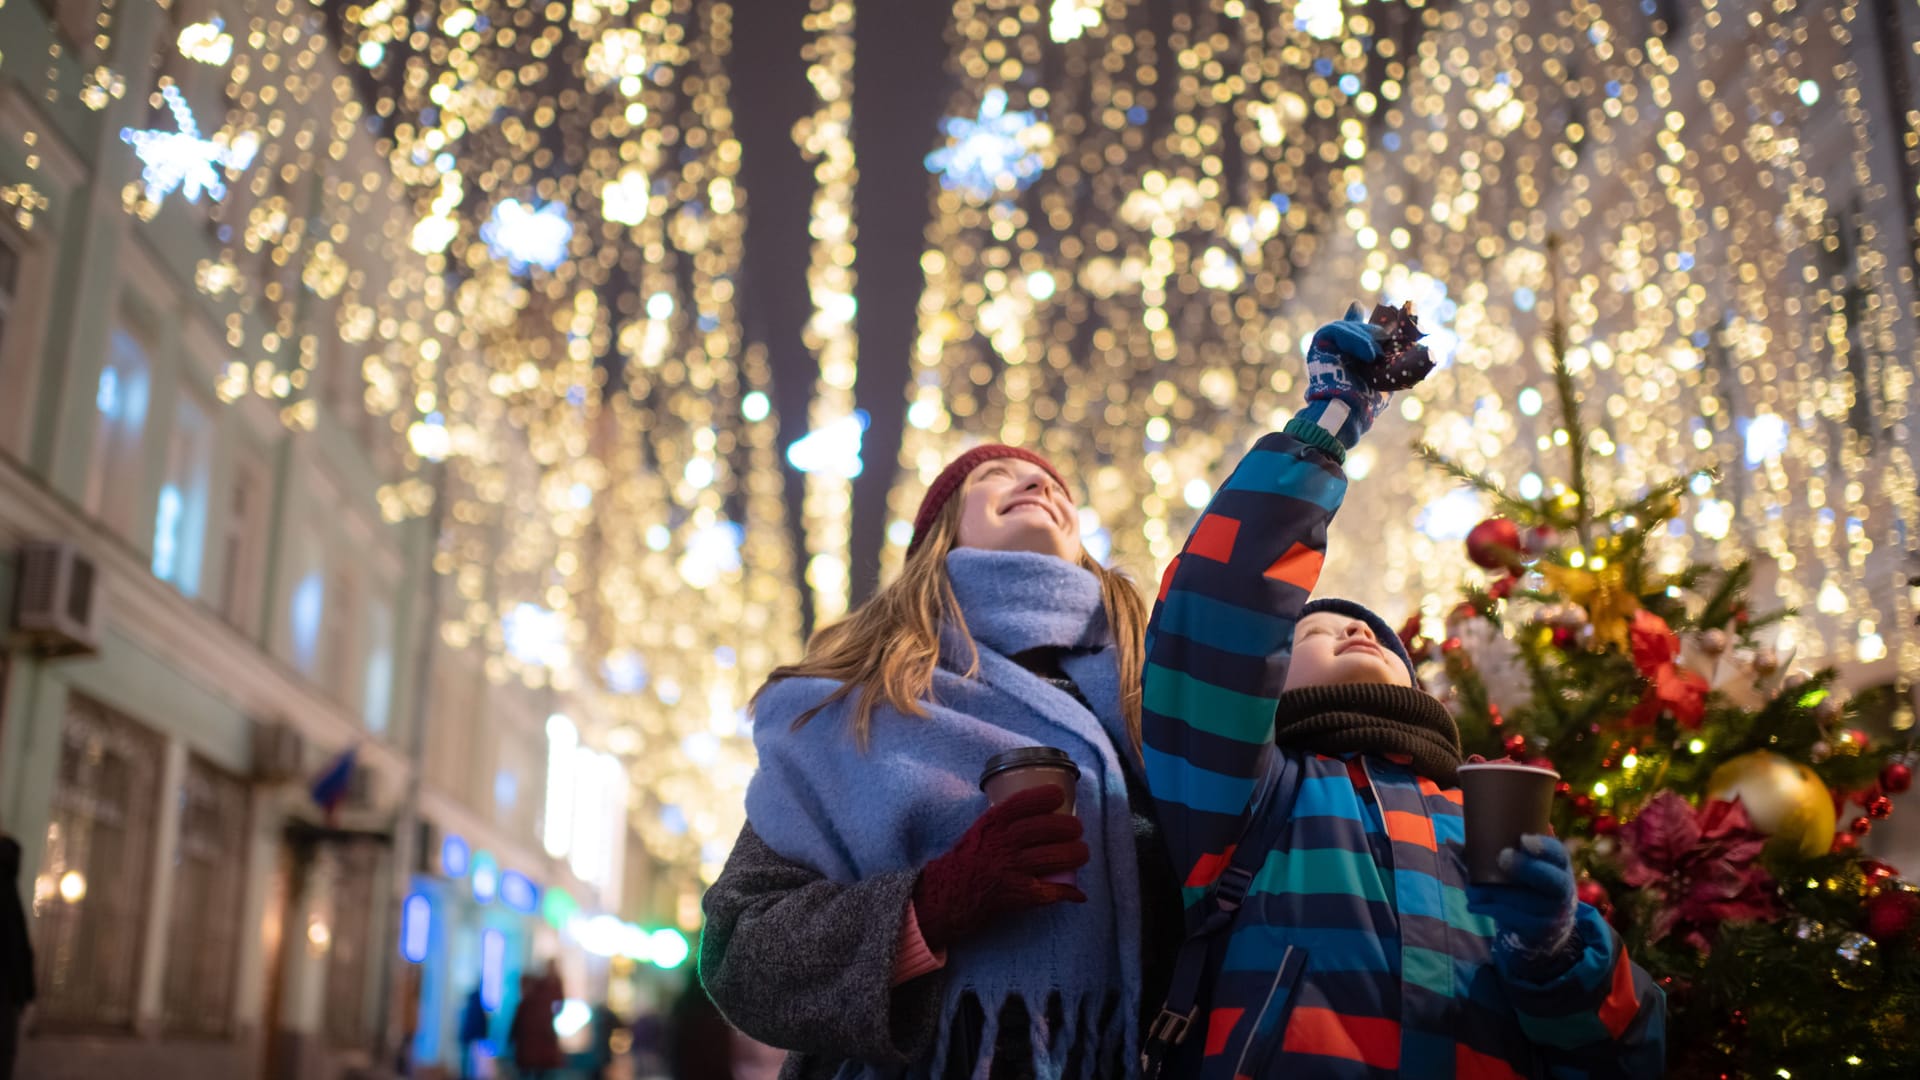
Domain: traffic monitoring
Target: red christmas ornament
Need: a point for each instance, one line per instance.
(1861, 826)
(1515, 745)
(1583, 805)
(1495, 717)
(1606, 825)
(1494, 544)
(1594, 895)
(1450, 646)
(1875, 870)
(1896, 778)
(1891, 914)
(1865, 796)
(1879, 807)
(1844, 842)
(1563, 637)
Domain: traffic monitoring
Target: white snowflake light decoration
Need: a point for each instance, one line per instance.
(184, 160)
(996, 152)
(524, 236)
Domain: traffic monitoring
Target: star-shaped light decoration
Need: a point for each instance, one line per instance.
(525, 237)
(995, 153)
(207, 42)
(184, 160)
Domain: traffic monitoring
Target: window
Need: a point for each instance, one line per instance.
(180, 516)
(203, 939)
(239, 547)
(378, 700)
(90, 898)
(116, 471)
(306, 607)
(339, 653)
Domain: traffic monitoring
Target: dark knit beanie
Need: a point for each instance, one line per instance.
(1381, 631)
(955, 474)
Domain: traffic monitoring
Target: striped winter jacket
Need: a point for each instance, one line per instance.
(1355, 954)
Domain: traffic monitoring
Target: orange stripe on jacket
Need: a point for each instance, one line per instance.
(1299, 566)
(1452, 795)
(1622, 1004)
(1416, 829)
(1470, 1064)
(1371, 1040)
(1208, 868)
(1220, 1025)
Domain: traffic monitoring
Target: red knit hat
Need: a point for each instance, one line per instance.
(955, 474)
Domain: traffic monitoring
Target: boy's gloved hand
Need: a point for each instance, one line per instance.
(997, 867)
(1534, 914)
(1338, 399)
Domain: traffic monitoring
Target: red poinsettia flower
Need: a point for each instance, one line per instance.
(1701, 864)
(1671, 688)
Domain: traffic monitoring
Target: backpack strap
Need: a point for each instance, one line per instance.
(1200, 951)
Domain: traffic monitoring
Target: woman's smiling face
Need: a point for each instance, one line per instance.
(1014, 505)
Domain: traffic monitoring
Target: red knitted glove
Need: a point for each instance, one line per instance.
(997, 866)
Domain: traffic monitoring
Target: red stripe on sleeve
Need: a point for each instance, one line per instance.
(1622, 1003)
(1213, 538)
(1299, 566)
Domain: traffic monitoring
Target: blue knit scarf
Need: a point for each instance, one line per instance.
(819, 801)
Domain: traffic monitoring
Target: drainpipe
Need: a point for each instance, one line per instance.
(388, 1044)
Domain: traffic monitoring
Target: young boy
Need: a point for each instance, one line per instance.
(1360, 949)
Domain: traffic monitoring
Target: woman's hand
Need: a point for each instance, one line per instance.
(1338, 398)
(997, 867)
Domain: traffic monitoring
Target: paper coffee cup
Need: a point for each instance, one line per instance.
(1504, 800)
(1012, 771)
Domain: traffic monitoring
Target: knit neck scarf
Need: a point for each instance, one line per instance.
(1371, 718)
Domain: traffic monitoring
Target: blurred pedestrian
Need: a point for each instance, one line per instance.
(16, 955)
(536, 1046)
(473, 1028)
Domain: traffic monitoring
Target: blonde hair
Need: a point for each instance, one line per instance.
(888, 648)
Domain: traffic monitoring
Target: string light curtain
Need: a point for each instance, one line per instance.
(628, 545)
(1699, 188)
(825, 138)
(550, 313)
(1696, 197)
(1126, 198)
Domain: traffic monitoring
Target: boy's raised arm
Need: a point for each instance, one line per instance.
(1222, 626)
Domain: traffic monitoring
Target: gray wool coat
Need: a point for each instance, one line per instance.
(794, 960)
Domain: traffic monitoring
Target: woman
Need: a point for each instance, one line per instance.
(876, 916)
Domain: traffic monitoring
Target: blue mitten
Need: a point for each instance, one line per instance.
(1534, 914)
(1339, 401)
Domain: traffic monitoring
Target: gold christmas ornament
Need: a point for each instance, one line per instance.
(1783, 798)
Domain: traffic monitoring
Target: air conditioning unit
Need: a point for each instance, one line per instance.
(279, 753)
(57, 600)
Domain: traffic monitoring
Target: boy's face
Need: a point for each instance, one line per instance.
(1337, 650)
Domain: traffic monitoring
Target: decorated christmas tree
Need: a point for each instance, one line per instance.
(1713, 793)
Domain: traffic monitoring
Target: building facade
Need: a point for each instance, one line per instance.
(255, 632)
